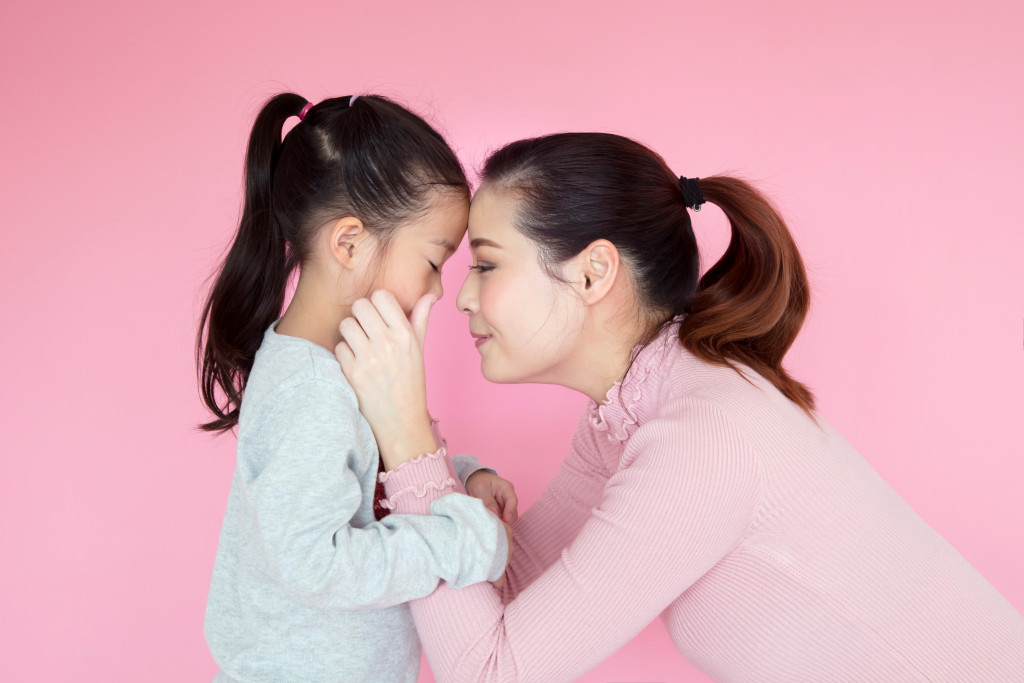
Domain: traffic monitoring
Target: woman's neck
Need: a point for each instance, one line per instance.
(606, 352)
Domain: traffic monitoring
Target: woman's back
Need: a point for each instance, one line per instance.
(837, 577)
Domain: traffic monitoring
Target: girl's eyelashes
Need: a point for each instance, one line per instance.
(437, 269)
(481, 268)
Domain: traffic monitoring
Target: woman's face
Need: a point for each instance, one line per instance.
(524, 322)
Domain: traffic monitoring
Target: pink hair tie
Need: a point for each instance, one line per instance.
(305, 110)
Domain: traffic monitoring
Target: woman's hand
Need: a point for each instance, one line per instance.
(382, 356)
(497, 494)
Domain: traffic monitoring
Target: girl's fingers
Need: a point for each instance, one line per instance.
(509, 502)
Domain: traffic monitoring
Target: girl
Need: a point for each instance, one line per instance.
(701, 485)
(311, 572)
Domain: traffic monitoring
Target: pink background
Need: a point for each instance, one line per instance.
(889, 132)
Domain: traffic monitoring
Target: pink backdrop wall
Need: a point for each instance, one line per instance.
(890, 133)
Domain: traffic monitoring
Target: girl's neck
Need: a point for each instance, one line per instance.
(313, 316)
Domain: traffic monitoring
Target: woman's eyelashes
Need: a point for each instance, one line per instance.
(436, 267)
(482, 267)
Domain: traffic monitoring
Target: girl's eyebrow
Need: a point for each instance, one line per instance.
(448, 246)
(483, 242)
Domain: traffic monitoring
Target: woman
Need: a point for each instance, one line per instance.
(701, 485)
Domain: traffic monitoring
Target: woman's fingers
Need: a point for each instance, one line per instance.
(420, 316)
(354, 335)
(388, 308)
(347, 359)
(383, 363)
(369, 317)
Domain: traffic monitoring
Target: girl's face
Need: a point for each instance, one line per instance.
(525, 324)
(418, 250)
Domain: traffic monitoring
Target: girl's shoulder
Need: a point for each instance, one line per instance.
(289, 370)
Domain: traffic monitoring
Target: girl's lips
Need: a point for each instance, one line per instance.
(479, 339)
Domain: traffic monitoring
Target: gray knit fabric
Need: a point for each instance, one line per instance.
(307, 586)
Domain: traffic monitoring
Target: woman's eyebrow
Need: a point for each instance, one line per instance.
(483, 242)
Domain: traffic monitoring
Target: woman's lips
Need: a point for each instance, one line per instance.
(479, 339)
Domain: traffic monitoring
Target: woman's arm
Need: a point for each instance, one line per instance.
(686, 493)
(550, 524)
(306, 494)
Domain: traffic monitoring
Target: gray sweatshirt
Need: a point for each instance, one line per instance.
(307, 586)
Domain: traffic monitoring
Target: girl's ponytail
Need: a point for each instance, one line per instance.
(750, 305)
(249, 291)
(362, 156)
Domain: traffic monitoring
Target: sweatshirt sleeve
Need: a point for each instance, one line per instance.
(308, 491)
(686, 491)
(466, 465)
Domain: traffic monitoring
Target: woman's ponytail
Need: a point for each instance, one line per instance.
(751, 304)
(574, 188)
(249, 291)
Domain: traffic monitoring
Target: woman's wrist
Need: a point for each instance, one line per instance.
(413, 439)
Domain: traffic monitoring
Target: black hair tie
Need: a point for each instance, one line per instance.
(691, 192)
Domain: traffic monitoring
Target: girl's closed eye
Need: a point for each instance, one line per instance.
(437, 268)
(481, 267)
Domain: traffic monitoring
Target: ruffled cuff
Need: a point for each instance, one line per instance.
(413, 485)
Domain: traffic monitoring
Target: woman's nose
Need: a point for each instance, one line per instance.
(466, 301)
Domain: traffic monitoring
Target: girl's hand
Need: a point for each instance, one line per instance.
(498, 495)
(382, 357)
(500, 581)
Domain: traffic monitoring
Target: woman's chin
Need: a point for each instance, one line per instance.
(496, 375)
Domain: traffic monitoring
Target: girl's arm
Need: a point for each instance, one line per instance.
(686, 493)
(304, 497)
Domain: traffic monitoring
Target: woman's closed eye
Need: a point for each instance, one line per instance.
(436, 267)
(482, 267)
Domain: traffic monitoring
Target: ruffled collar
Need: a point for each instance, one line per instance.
(630, 400)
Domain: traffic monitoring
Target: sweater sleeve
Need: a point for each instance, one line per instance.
(686, 492)
(308, 491)
(551, 523)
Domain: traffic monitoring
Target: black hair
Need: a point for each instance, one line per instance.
(371, 159)
(575, 188)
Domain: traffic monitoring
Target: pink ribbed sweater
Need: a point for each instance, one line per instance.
(770, 548)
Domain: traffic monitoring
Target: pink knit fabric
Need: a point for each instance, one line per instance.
(770, 548)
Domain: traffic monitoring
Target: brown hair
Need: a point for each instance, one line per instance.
(575, 188)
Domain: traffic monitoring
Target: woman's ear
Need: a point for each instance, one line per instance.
(343, 237)
(593, 271)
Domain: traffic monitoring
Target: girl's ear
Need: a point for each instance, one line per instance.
(343, 236)
(592, 272)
